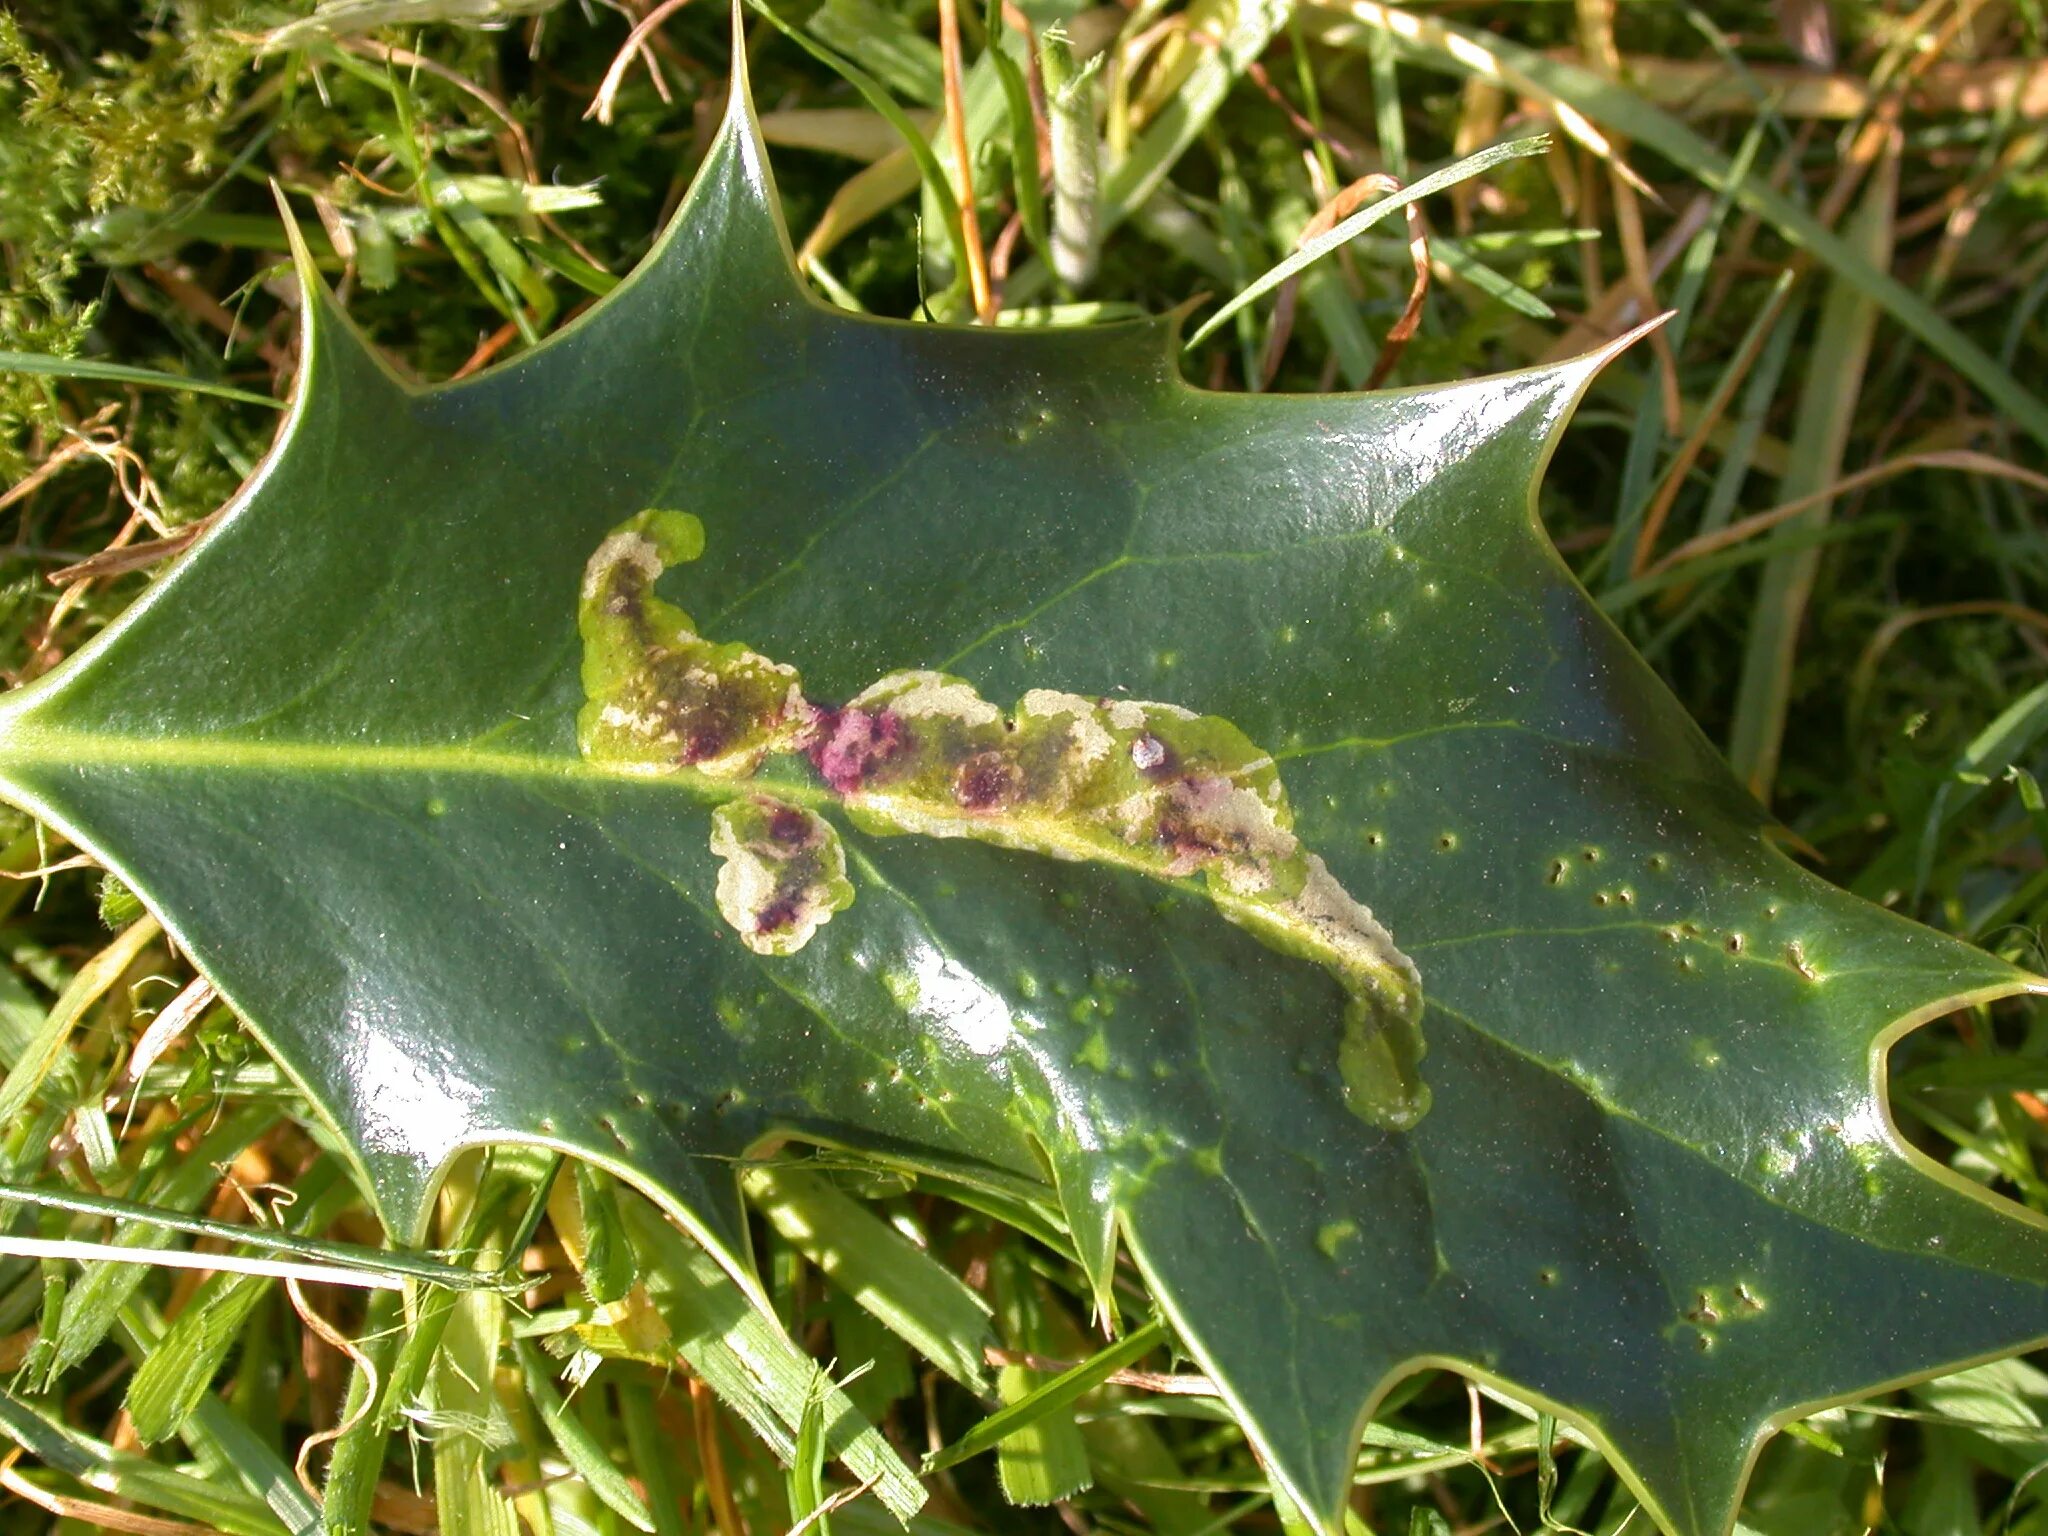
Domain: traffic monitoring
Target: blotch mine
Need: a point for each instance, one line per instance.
(1150, 787)
(784, 873)
(1144, 786)
(657, 695)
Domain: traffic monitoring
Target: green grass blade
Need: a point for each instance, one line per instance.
(1240, 30)
(2018, 731)
(123, 1476)
(1024, 177)
(1458, 49)
(883, 40)
(396, 1263)
(405, 1345)
(807, 1466)
(1365, 218)
(562, 261)
(1388, 126)
(218, 1437)
(751, 1364)
(917, 1298)
(268, 1478)
(103, 1289)
(1070, 91)
(579, 1447)
(175, 1374)
(1045, 1461)
(21, 1016)
(1779, 541)
(653, 1457)
(1978, 1074)
(42, 1053)
(465, 1372)
(506, 261)
(1697, 261)
(358, 1459)
(1738, 455)
(1827, 410)
(1325, 294)
(1464, 264)
(121, 373)
(878, 97)
(608, 1271)
(861, 1344)
(1061, 1392)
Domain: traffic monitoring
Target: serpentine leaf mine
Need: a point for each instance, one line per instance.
(1148, 787)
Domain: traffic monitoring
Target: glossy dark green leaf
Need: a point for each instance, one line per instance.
(1657, 1190)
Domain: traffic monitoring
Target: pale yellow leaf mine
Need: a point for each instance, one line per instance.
(1142, 786)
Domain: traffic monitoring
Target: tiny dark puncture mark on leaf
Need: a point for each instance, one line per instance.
(370, 820)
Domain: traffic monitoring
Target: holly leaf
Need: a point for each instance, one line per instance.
(1646, 1178)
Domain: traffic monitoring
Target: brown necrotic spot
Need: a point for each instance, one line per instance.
(790, 827)
(1187, 843)
(779, 916)
(987, 781)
